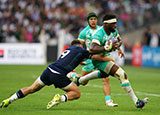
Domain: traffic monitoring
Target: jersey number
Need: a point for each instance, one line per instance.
(66, 52)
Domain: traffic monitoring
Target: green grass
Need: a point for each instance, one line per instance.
(144, 81)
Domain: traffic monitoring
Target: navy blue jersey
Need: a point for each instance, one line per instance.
(70, 59)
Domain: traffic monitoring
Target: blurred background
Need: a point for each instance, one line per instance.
(37, 31)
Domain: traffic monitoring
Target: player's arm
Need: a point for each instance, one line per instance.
(96, 48)
(120, 52)
(102, 58)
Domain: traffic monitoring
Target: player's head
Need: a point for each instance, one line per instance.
(76, 42)
(109, 22)
(92, 20)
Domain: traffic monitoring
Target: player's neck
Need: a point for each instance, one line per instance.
(93, 27)
(107, 32)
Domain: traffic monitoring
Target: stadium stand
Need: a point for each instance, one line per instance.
(22, 20)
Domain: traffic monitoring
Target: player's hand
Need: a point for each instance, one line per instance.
(118, 43)
(115, 45)
(108, 45)
(121, 54)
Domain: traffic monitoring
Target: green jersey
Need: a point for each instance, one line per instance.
(100, 37)
(86, 35)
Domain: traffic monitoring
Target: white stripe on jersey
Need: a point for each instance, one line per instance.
(53, 70)
(96, 30)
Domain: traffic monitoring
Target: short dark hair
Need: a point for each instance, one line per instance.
(75, 42)
(109, 16)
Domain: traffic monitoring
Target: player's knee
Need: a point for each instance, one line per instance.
(120, 73)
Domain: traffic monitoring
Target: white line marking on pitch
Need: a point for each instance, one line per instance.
(140, 93)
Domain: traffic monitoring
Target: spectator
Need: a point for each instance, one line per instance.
(25, 18)
(146, 37)
(154, 38)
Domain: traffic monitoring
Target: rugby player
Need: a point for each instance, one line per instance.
(98, 45)
(55, 74)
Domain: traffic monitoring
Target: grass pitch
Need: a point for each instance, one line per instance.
(144, 81)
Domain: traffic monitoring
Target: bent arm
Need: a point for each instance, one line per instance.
(95, 48)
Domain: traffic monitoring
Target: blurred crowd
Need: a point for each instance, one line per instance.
(151, 37)
(23, 20)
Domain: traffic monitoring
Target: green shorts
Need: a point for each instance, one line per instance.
(88, 66)
(101, 65)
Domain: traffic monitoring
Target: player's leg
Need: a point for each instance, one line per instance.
(72, 93)
(125, 84)
(87, 68)
(37, 85)
(63, 82)
(114, 70)
(107, 93)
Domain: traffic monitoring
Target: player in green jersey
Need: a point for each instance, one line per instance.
(85, 36)
(100, 44)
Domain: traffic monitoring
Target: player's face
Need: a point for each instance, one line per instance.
(112, 27)
(93, 22)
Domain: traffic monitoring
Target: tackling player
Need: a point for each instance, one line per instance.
(100, 45)
(56, 74)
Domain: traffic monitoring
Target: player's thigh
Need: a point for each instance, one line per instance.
(104, 66)
(58, 80)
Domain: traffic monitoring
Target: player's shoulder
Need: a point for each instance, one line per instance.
(98, 26)
(99, 31)
(86, 28)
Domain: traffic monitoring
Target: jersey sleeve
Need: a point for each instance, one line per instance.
(82, 35)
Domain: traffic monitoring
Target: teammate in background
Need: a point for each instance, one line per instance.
(100, 43)
(56, 74)
(85, 36)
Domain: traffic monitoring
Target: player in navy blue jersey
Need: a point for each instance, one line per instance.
(56, 74)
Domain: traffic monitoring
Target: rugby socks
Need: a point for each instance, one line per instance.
(64, 98)
(16, 96)
(128, 89)
(108, 97)
(92, 75)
